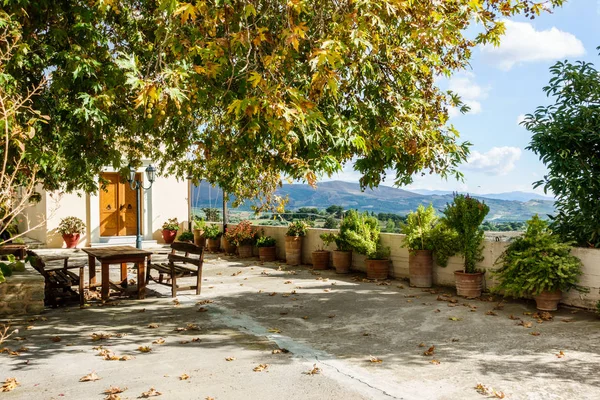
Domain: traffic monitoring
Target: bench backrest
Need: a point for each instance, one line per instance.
(192, 254)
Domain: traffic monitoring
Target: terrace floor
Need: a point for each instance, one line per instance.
(338, 324)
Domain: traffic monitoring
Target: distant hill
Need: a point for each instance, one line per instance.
(512, 196)
(383, 199)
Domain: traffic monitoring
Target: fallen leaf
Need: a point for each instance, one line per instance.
(176, 302)
(151, 393)
(437, 310)
(153, 326)
(400, 286)
(525, 324)
(490, 312)
(112, 397)
(560, 354)
(327, 290)
(236, 273)
(197, 339)
(100, 336)
(366, 334)
(273, 294)
(9, 385)
(305, 317)
(429, 351)
(535, 333)
(56, 339)
(488, 391)
(375, 359)
(280, 351)
(513, 317)
(544, 316)
(159, 341)
(203, 302)
(315, 370)
(184, 377)
(114, 390)
(202, 309)
(435, 362)
(145, 349)
(455, 319)
(260, 367)
(274, 330)
(422, 344)
(287, 282)
(566, 320)
(192, 327)
(455, 340)
(331, 316)
(527, 313)
(91, 377)
(230, 359)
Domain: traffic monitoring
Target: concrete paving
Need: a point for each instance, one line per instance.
(338, 324)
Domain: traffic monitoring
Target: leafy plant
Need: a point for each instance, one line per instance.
(537, 261)
(70, 226)
(381, 252)
(565, 137)
(465, 215)
(212, 232)
(171, 225)
(297, 228)
(418, 228)
(186, 236)
(9, 266)
(330, 223)
(361, 232)
(199, 223)
(265, 241)
(241, 234)
(445, 243)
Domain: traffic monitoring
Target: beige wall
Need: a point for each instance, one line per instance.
(169, 200)
(445, 276)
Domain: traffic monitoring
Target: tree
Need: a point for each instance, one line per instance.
(212, 214)
(330, 223)
(241, 93)
(390, 226)
(336, 211)
(565, 137)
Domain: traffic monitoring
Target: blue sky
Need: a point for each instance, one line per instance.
(503, 84)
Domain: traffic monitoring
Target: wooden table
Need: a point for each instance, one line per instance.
(18, 250)
(117, 255)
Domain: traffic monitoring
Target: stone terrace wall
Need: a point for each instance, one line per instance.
(445, 276)
(22, 293)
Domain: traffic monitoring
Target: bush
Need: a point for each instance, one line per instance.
(265, 241)
(70, 226)
(241, 234)
(212, 232)
(199, 223)
(171, 225)
(418, 228)
(361, 233)
(330, 223)
(186, 236)
(297, 228)
(537, 261)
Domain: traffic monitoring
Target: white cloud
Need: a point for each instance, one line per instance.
(520, 119)
(469, 91)
(497, 161)
(522, 43)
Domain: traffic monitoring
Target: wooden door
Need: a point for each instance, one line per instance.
(118, 207)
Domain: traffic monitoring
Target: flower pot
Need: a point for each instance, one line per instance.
(377, 269)
(199, 239)
(342, 261)
(168, 236)
(548, 301)
(71, 240)
(214, 245)
(320, 259)
(420, 268)
(293, 250)
(468, 285)
(267, 254)
(227, 246)
(245, 250)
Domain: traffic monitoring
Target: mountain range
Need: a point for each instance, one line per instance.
(512, 206)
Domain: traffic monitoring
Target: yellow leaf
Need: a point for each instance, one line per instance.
(9, 385)
(187, 11)
(91, 377)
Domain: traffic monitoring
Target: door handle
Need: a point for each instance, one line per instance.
(108, 207)
(121, 207)
(129, 207)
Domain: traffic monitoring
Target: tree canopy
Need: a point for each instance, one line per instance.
(244, 92)
(566, 136)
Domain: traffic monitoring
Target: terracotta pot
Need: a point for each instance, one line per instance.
(468, 285)
(267, 254)
(245, 250)
(71, 240)
(227, 246)
(199, 239)
(168, 236)
(293, 250)
(548, 301)
(377, 269)
(342, 261)
(320, 259)
(214, 245)
(420, 268)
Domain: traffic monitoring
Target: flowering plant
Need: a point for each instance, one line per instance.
(241, 234)
(171, 225)
(70, 226)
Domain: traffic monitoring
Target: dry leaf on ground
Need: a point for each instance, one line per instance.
(151, 393)
(536, 333)
(422, 344)
(100, 336)
(145, 349)
(153, 326)
(280, 351)
(114, 390)
(184, 377)
(203, 302)
(429, 351)
(260, 367)
(455, 319)
(375, 359)
(315, 370)
(488, 391)
(91, 377)
(490, 312)
(274, 330)
(9, 384)
(159, 341)
(525, 324)
(560, 354)
(435, 362)
(230, 359)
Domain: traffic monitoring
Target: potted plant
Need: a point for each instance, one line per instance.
(266, 248)
(186, 236)
(538, 264)
(320, 257)
(378, 262)
(465, 215)
(342, 255)
(363, 237)
(71, 228)
(418, 229)
(293, 242)
(199, 226)
(169, 230)
(243, 237)
(213, 238)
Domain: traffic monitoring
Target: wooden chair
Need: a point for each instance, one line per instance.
(185, 260)
(60, 280)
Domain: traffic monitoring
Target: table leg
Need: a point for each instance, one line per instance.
(92, 271)
(105, 280)
(124, 274)
(141, 278)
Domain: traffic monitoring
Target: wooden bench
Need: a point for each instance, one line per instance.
(60, 280)
(185, 260)
(18, 250)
